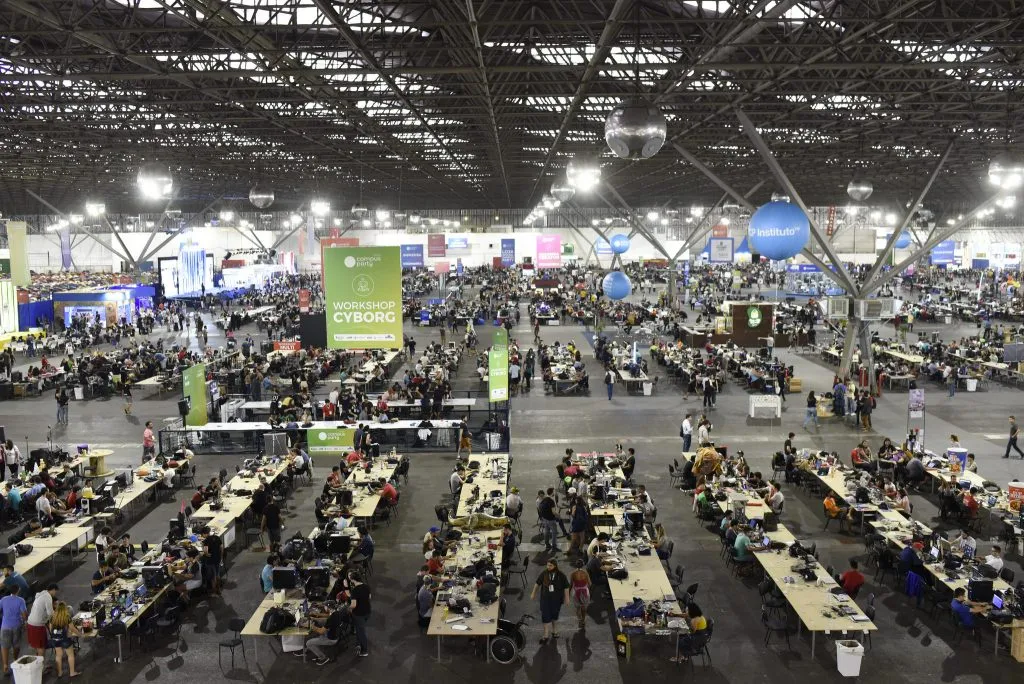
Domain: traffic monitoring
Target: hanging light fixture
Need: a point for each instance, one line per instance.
(261, 197)
(583, 173)
(562, 192)
(859, 189)
(780, 197)
(1006, 171)
(155, 181)
(320, 207)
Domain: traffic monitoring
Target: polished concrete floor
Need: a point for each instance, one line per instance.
(909, 646)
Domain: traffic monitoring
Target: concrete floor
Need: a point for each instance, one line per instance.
(909, 646)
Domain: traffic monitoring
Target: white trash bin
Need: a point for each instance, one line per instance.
(972, 384)
(28, 670)
(648, 388)
(948, 320)
(849, 653)
(79, 393)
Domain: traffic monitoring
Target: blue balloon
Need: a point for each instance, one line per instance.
(903, 241)
(620, 243)
(616, 285)
(778, 230)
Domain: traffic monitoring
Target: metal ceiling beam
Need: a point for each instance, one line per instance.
(787, 186)
(712, 176)
(117, 236)
(601, 52)
(891, 242)
(629, 216)
(185, 225)
(83, 228)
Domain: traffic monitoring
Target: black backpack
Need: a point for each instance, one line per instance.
(276, 619)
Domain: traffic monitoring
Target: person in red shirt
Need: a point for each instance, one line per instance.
(353, 457)
(388, 491)
(435, 564)
(970, 503)
(852, 579)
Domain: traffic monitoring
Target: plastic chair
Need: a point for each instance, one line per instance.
(774, 625)
(674, 476)
(236, 625)
(519, 570)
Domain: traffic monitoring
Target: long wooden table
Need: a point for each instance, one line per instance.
(223, 521)
(75, 533)
(484, 484)
(364, 503)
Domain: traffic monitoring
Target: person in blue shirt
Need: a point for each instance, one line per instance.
(366, 545)
(267, 574)
(964, 609)
(14, 612)
(13, 578)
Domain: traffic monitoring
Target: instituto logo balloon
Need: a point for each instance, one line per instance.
(616, 285)
(620, 243)
(778, 230)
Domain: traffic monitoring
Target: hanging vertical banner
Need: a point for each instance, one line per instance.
(436, 245)
(442, 267)
(508, 252)
(17, 243)
(497, 367)
(335, 232)
(334, 241)
(191, 269)
(459, 268)
(193, 386)
(496, 263)
(65, 248)
(304, 300)
(412, 256)
(363, 290)
(549, 251)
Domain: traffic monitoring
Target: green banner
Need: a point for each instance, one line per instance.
(5, 267)
(193, 386)
(497, 367)
(330, 441)
(364, 297)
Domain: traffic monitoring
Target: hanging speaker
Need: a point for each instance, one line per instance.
(184, 405)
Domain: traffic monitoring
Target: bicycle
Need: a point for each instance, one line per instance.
(509, 641)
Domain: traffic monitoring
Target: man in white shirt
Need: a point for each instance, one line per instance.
(775, 499)
(687, 432)
(995, 559)
(455, 482)
(44, 509)
(333, 396)
(513, 503)
(39, 617)
(966, 543)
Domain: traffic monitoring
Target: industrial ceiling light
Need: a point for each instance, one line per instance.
(696, 210)
(724, 221)
(358, 210)
(76, 219)
(320, 207)
(562, 192)
(1006, 171)
(226, 215)
(295, 220)
(155, 181)
(876, 215)
(780, 197)
(382, 214)
(366, 223)
(859, 189)
(261, 197)
(652, 215)
(548, 202)
(414, 218)
(583, 173)
(94, 209)
(890, 218)
(1007, 201)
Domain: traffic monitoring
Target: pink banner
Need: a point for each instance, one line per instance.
(436, 246)
(442, 267)
(549, 251)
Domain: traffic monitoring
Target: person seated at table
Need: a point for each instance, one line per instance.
(103, 577)
(212, 489)
(910, 560)
(965, 543)
(969, 504)
(862, 459)
(964, 609)
(387, 491)
(742, 544)
(661, 542)
(912, 471)
(697, 623)
(775, 498)
(903, 504)
(756, 480)
(344, 519)
(834, 510)
(971, 466)
(327, 628)
(852, 580)
(435, 564)
(188, 575)
(116, 557)
(334, 481)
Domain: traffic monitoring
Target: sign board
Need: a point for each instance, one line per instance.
(915, 403)
(549, 251)
(330, 442)
(193, 386)
(720, 231)
(508, 252)
(497, 367)
(363, 296)
(412, 256)
(496, 263)
(287, 345)
(442, 267)
(459, 244)
(1015, 492)
(942, 253)
(436, 245)
(602, 247)
(459, 268)
(720, 250)
(304, 300)
(802, 268)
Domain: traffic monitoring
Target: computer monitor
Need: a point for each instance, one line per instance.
(284, 578)
(935, 553)
(155, 576)
(344, 497)
(945, 546)
(634, 520)
(318, 576)
(980, 590)
(338, 544)
(766, 542)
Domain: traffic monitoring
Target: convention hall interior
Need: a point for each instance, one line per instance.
(367, 341)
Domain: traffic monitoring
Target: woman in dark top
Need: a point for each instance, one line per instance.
(359, 604)
(812, 410)
(553, 586)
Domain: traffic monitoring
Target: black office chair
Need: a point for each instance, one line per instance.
(775, 625)
(690, 592)
(674, 476)
(520, 570)
(959, 629)
(144, 546)
(236, 625)
(869, 611)
(771, 599)
(188, 477)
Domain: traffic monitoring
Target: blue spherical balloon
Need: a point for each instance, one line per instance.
(620, 243)
(903, 241)
(616, 285)
(778, 230)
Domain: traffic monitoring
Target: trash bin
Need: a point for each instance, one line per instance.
(79, 393)
(948, 320)
(849, 653)
(648, 388)
(28, 670)
(972, 384)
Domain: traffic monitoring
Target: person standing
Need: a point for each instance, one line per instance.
(62, 634)
(1012, 443)
(359, 605)
(609, 381)
(866, 407)
(553, 586)
(812, 410)
(39, 618)
(62, 406)
(549, 520)
(14, 612)
(579, 590)
(148, 442)
(686, 432)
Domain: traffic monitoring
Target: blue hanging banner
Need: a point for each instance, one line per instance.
(412, 256)
(459, 268)
(508, 252)
(942, 253)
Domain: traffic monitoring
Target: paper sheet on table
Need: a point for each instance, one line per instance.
(461, 628)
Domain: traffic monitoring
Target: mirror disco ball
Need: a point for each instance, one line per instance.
(635, 129)
(562, 192)
(261, 198)
(859, 190)
(780, 197)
